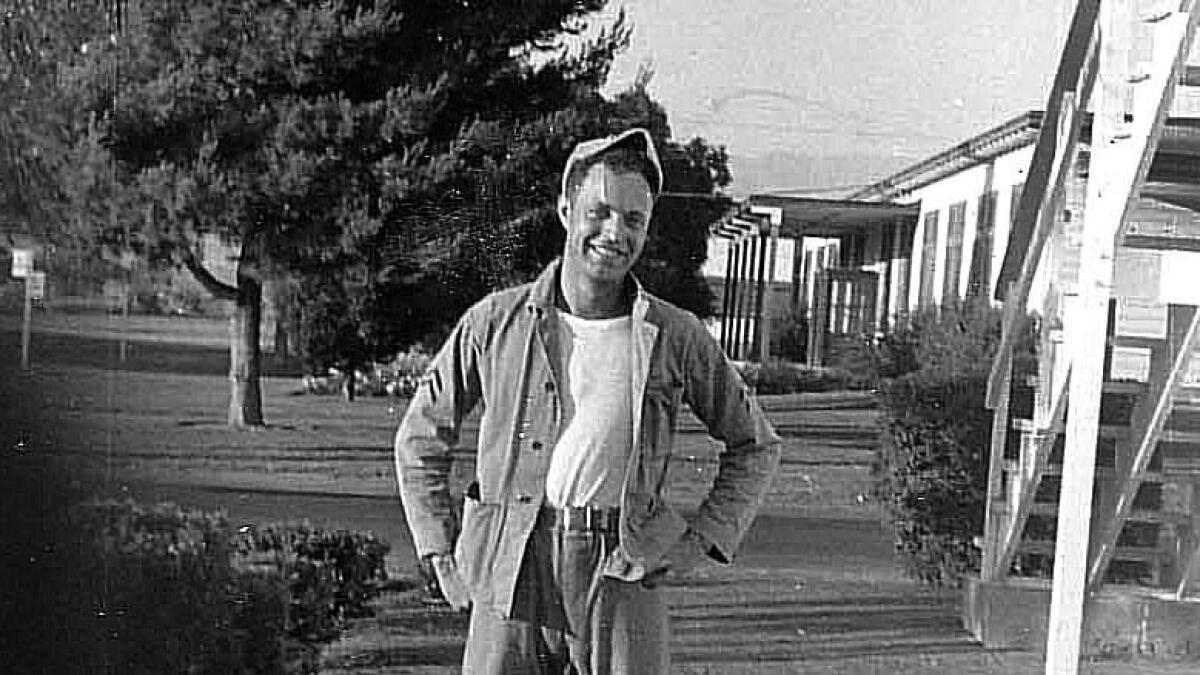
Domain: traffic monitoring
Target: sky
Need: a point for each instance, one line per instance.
(819, 95)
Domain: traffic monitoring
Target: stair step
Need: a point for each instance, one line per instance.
(1138, 515)
(1026, 425)
(1136, 341)
(1123, 553)
(1184, 418)
(1124, 387)
(1105, 472)
(1180, 437)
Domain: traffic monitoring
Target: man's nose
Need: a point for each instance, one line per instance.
(613, 224)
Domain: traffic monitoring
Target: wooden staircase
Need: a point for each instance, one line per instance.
(1094, 475)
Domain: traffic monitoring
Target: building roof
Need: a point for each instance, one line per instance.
(813, 217)
(1174, 174)
(1002, 139)
(1181, 135)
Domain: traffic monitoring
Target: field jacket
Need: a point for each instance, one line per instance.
(503, 354)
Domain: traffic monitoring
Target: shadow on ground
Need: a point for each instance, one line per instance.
(405, 632)
(155, 357)
(730, 623)
(769, 620)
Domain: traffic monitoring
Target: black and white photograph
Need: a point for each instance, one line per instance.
(599, 337)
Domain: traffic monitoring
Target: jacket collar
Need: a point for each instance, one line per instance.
(544, 292)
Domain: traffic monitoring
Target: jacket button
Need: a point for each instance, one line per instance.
(524, 499)
(537, 445)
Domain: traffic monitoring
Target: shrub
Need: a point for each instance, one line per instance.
(789, 337)
(399, 377)
(868, 361)
(782, 377)
(932, 460)
(161, 589)
(331, 575)
(931, 470)
(155, 591)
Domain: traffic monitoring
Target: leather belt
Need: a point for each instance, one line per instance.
(582, 518)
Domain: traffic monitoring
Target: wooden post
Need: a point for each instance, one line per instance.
(735, 299)
(747, 295)
(993, 519)
(759, 295)
(27, 321)
(1128, 119)
(764, 344)
(727, 293)
(797, 289)
(819, 323)
(1084, 339)
(775, 216)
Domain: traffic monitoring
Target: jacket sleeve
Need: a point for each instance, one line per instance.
(448, 391)
(728, 408)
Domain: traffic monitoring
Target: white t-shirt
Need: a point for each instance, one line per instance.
(588, 464)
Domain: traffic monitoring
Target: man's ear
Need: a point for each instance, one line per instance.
(564, 211)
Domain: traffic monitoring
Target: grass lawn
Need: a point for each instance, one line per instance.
(815, 589)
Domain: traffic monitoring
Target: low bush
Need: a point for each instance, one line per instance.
(783, 377)
(398, 377)
(868, 361)
(932, 460)
(330, 575)
(162, 589)
(931, 470)
(155, 591)
(789, 336)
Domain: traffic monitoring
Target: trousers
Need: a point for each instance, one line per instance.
(570, 619)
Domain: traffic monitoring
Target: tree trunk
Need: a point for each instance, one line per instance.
(245, 358)
(348, 386)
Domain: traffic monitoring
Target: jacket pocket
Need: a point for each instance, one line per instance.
(475, 550)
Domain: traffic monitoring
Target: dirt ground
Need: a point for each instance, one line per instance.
(815, 589)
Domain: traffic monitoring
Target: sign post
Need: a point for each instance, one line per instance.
(27, 324)
(22, 268)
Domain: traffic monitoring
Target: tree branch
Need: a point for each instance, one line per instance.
(219, 289)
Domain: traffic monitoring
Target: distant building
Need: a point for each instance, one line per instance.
(934, 232)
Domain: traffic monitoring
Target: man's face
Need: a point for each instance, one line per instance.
(606, 223)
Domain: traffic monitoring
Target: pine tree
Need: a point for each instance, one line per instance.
(407, 152)
(308, 134)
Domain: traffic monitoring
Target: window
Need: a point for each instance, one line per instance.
(954, 251)
(904, 265)
(928, 259)
(981, 254)
(1015, 202)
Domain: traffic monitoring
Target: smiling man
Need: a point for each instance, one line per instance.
(568, 530)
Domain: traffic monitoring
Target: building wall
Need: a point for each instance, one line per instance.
(1001, 176)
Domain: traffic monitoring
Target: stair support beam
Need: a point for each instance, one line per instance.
(1129, 115)
(993, 523)
(1011, 541)
(1146, 435)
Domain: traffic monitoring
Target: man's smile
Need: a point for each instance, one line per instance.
(605, 251)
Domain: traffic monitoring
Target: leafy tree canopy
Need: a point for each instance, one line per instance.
(408, 151)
